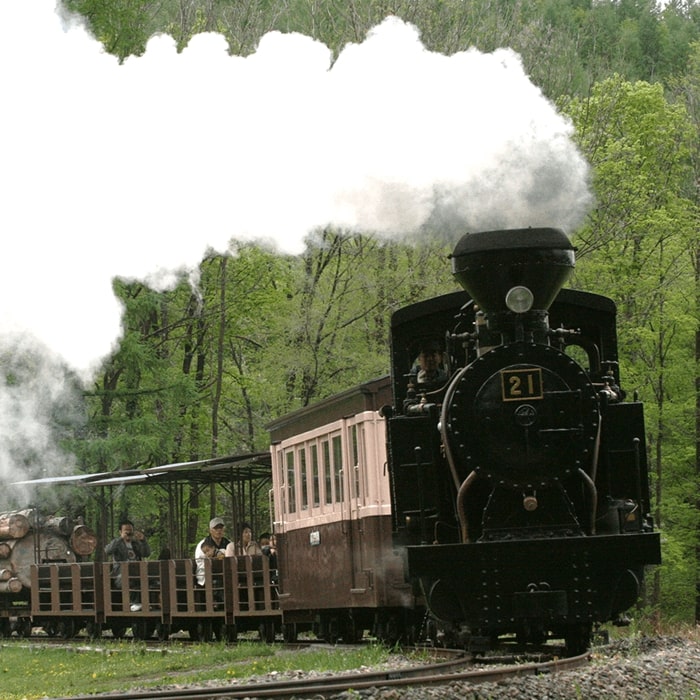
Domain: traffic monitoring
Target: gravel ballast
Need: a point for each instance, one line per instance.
(645, 668)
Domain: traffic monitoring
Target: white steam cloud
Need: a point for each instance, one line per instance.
(134, 170)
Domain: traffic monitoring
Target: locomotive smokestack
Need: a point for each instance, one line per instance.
(497, 268)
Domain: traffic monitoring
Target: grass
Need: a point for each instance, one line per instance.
(33, 671)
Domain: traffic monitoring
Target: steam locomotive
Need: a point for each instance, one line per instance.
(519, 469)
(503, 494)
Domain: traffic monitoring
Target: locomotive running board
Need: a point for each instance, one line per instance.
(629, 550)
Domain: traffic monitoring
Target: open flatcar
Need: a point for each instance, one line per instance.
(69, 594)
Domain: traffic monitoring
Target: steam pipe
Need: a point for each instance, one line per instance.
(594, 498)
(442, 427)
(461, 505)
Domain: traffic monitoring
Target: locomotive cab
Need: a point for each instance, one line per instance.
(516, 480)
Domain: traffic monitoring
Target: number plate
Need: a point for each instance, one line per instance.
(522, 384)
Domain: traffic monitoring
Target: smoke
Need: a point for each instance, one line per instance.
(136, 170)
(38, 409)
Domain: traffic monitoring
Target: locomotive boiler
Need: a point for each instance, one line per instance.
(518, 466)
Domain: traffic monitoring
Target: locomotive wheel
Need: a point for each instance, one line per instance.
(430, 631)
(5, 627)
(577, 638)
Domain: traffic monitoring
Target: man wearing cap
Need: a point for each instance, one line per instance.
(215, 537)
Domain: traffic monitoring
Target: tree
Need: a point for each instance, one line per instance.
(635, 248)
(687, 92)
(123, 27)
(337, 334)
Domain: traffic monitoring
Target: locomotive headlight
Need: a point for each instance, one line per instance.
(519, 299)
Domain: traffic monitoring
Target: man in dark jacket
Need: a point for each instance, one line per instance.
(129, 546)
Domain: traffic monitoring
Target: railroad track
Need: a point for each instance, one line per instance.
(461, 668)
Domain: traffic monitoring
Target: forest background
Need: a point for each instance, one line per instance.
(200, 372)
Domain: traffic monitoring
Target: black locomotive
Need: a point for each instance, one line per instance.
(519, 473)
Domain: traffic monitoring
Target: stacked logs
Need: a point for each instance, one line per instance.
(26, 538)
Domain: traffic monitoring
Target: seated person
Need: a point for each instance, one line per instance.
(270, 551)
(246, 545)
(205, 549)
(430, 368)
(131, 545)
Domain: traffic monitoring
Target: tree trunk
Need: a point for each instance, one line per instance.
(13, 526)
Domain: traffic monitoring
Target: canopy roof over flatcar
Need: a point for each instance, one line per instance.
(241, 476)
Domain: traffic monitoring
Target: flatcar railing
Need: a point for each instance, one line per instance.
(68, 588)
(257, 594)
(235, 587)
(141, 583)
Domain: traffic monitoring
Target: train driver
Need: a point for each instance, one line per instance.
(430, 367)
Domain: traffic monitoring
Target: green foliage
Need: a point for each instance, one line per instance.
(124, 26)
(337, 333)
(566, 45)
(635, 248)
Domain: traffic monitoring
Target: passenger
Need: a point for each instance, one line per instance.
(131, 545)
(270, 551)
(246, 545)
(268, 545)
(216, 540)
(206, 549)
(216, 532)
